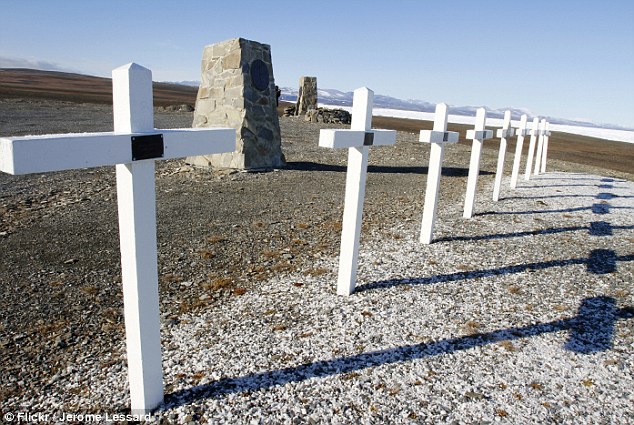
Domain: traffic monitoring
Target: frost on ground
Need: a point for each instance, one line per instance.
(523, 314)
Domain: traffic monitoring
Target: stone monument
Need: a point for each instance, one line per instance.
(237, 89)
(307, 95)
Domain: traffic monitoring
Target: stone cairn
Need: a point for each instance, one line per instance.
(176, 108)
(325, 115)
(307, 95)
(237, 89)
(329, 116)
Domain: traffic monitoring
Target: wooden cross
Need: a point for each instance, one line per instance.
(521, 133)
(540, 147)
(438, 137)
(503, 133)
(531, 148)
(132, 147)
(545, 151)
(478, 134)
(358, 141)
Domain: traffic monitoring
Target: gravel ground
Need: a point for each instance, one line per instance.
(522, 314)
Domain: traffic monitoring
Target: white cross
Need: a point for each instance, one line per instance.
(438, 137)
(521, 133)
(503, 133)
(540, 147)
(133, 147)
(358, 141)
(531, 148)
(478, 134)
(545, 151)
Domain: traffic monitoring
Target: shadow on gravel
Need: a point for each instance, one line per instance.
(600, 261)
(568, 176)
(595, 208)
(315, 166)
(602, 195)
(590, 331)
(597, 228)
(519, 186)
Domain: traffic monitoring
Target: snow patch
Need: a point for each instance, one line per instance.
(601, 133)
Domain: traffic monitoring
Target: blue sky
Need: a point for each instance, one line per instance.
(560, 58)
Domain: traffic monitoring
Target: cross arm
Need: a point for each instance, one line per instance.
(332, 138)
(479, 134)
(433, 136)
(56, 152)
(180, 143)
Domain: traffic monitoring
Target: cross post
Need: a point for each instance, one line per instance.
(545, 151)
(136, 196)
(132, 147)
(358, 141)
(540, 147)
(478, 134)
(531, 148)
(522, 131)
(503, 133)
(437, 137)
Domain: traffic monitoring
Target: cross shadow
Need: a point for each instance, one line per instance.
(553, 185)
(521, 198)
(603, 228)
(596, 228)
(568, 178)
(603, 185)
(315, 166)
(600, 261)
(608, 195)
(600, 208)
(602, 195)
(590, 331)
(595, 208)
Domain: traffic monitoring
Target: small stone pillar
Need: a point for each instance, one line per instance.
(307, 95)
(237, 89)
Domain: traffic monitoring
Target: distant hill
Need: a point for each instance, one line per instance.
(32, 83)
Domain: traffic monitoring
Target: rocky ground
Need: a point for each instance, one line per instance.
(522, 314)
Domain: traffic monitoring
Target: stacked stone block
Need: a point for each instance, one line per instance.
(237, 90)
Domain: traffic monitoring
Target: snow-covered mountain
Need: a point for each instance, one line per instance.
(191, 83)
(338, 98)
